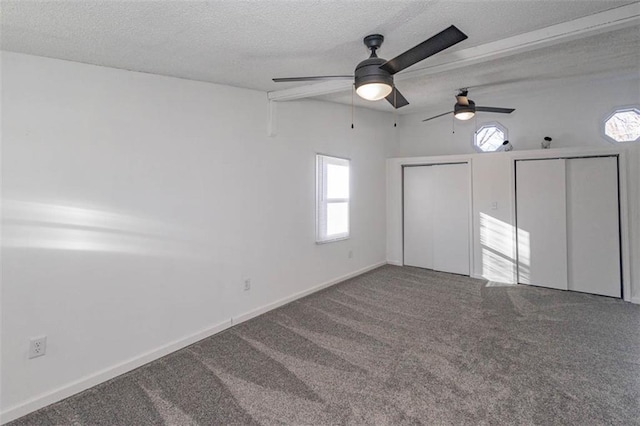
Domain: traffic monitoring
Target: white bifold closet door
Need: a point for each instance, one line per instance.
(542, 223)
(593, 231)
(568, 224)
(419, 184)
(436, 217)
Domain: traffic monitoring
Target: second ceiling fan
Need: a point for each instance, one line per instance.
(465, 108)
(373, 77)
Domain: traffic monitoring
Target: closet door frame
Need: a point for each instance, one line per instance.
(623, 207)
(469, 163)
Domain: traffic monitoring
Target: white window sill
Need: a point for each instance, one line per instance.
(333, 240)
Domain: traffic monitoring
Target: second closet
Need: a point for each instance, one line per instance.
(568, 224)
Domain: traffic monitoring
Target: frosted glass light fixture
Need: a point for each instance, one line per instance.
(464, 112)
(374, 91)
(465, 115)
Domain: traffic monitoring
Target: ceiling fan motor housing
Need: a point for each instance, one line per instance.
(459, 108)
(369, 71)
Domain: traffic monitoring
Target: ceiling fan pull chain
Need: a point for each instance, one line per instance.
(352, 90)
(395, 108)
(453, 125)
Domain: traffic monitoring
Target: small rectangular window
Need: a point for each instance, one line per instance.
(332, 198)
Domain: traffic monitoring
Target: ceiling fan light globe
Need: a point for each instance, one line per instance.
(464, 112)
(374, 91)
(464, 115)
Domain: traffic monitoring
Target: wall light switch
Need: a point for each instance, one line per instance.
(494, 205)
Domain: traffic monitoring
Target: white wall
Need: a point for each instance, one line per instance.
(550, 110)
(135, 205)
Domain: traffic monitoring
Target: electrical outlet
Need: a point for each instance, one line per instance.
(350, 254)
(247, 284)
(37, 346)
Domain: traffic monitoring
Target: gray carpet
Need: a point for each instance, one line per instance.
(395, 346)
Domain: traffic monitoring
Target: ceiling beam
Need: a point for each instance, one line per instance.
(310, 90)
(609, 20)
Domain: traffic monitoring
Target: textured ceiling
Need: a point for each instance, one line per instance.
(246, 43)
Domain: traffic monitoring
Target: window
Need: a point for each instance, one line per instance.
(623, 125)
(332, 198)
(489, 137)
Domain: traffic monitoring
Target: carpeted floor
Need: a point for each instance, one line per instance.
(397, 345)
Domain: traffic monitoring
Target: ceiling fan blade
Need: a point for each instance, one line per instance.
(396, 99)
(315, 78)
(462, 100)
(436, 116)
(495, 109)
(435, 44)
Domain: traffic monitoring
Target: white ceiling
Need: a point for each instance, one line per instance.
(246, 43)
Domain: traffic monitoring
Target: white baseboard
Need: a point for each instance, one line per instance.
(266, 308)
(395, 262)
(495, 283)
(109, 373)
(635, 300)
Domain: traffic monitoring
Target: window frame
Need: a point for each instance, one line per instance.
(322, 201)
(500, 126)
(614, 111)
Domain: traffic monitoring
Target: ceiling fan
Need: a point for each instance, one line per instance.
(465, 108)
(374, 76)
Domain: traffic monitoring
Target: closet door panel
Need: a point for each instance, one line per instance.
(451, 219)
(418, 216)
(593, 235)
(542, 223)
